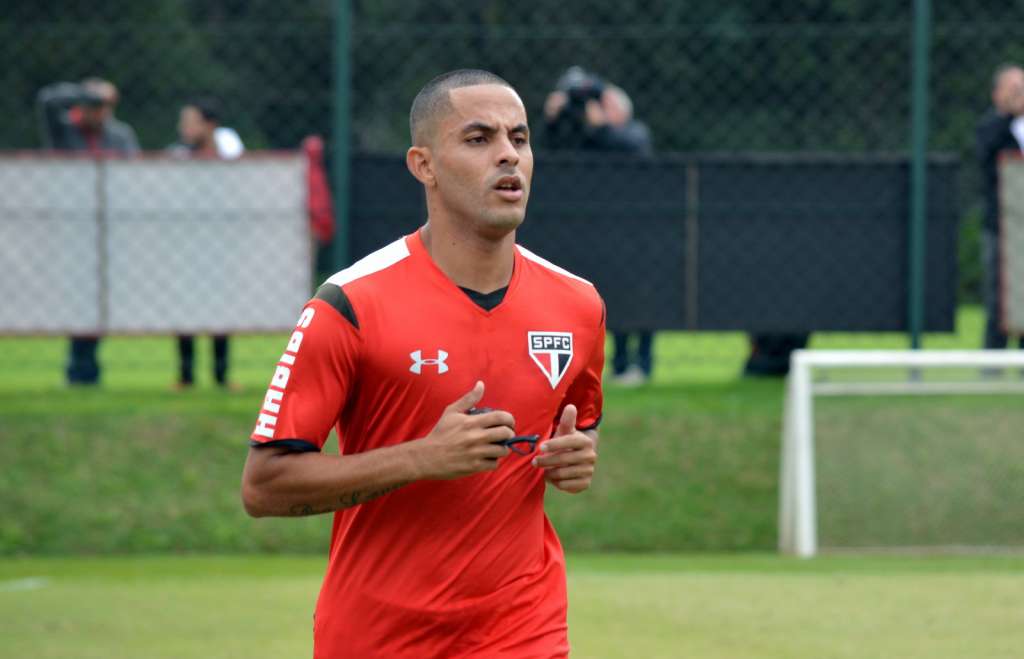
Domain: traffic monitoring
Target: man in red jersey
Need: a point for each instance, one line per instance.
(429, 357)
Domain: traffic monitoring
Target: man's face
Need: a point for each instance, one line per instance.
(192, 128)
(1009, 90)
(94, 116)
(482, 158)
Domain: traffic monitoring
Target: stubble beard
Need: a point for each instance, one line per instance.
(505, 220)
(489, 220)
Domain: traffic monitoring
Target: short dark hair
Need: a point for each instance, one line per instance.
(208, 107)
(433, 98)
(1000, 70)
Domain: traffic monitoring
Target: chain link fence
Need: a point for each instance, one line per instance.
(736, 80)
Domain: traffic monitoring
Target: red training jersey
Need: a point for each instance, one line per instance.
(469, 567)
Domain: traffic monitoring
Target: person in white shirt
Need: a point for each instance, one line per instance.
(203, 136)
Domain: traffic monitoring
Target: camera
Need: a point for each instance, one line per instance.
(580, 85)
(569, 128)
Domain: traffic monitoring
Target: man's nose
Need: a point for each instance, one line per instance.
(507, 153)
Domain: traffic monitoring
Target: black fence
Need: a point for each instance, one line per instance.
(761, 243)
(711, 246)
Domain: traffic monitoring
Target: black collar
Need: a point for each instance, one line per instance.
(486, 301)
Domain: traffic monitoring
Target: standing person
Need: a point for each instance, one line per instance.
(999, 129)
(770, 353)
(586, 113)
(440, 359)
(203, 136)
(80, 117)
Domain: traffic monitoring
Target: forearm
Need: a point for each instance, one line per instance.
(53, 102)
(286, 483)
(280, 483)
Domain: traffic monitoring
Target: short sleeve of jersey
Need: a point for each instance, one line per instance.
(585, 391)
(311, 382)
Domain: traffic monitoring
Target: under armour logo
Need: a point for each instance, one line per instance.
(418, 362)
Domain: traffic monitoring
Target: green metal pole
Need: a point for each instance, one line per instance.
(918, 168)
(341, 152)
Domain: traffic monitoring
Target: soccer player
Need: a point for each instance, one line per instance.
(437, 359)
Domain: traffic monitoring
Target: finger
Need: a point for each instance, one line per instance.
(495, 434)
(488, 465)
(469, 399)
(495, 419)
(570, 442)
(569, 473)
(572, 486)
(492, 452)
(565, 459)
(567, 423)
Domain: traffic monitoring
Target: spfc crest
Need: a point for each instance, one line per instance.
(552, 352)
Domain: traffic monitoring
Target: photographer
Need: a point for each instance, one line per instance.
(80, 117)
(586, 113)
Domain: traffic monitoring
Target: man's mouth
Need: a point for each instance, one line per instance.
(509, 188)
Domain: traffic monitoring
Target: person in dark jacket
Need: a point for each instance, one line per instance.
(769, 353)
(80, 117)
(587, 113)
(998, 130)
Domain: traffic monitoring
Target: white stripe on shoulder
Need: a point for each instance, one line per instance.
(549, 265)
(383, 258)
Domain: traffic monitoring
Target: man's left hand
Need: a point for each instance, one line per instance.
(568, 458)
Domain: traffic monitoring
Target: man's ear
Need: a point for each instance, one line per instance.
(418, 160)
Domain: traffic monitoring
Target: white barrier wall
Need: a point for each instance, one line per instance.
(1012, 243)
(48, 245)
(152, 245)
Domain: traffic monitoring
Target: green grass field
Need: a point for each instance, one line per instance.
(621, 606)
(682, 467)
(35, 364)
(688, 463)
(122, 505)
(921, 471)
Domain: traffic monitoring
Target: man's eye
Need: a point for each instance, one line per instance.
(520, 140)
(476, 139)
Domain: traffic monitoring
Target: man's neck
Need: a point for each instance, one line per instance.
(468, 259)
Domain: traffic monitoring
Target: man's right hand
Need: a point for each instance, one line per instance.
(462, 444)
(554, 104)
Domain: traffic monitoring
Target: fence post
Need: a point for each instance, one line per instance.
(918, 168)
(341, 152)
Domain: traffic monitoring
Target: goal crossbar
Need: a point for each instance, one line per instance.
(798, 526)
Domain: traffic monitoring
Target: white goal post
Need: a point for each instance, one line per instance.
(798, 525)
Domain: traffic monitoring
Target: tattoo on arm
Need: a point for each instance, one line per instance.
(348, 500)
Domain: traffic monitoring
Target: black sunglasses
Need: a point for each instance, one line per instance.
(515, 444)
